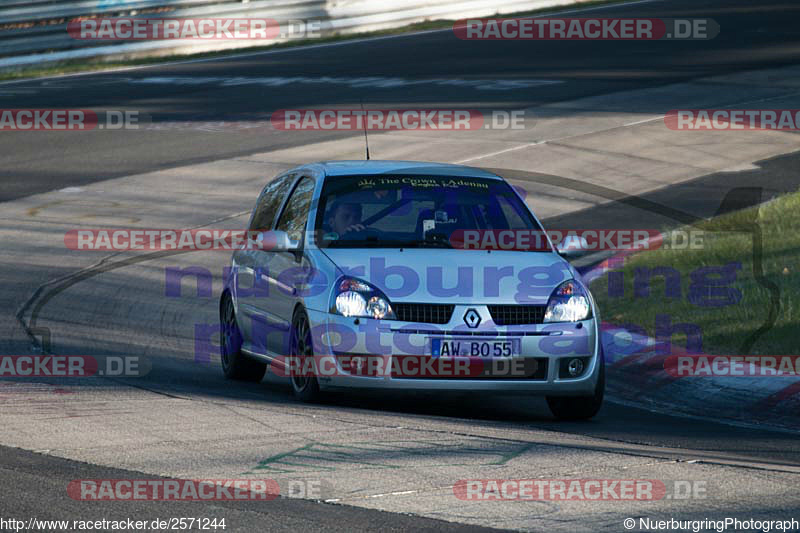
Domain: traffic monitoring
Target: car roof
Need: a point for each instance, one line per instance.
(357, 168)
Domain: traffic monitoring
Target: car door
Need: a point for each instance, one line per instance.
(248, 286)
(286, 271)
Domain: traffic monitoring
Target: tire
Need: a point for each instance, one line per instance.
(580, 407)
(235, 364)
(306, 388)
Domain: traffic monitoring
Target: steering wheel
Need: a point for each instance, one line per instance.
(363, 234)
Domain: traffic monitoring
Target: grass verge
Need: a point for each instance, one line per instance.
(727, 311)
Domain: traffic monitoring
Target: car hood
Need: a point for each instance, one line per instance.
(432, 275)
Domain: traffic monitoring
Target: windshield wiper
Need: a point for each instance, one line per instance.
(419, 243)
(423, 243)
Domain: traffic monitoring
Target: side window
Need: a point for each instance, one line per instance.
(514, 219)
(295, 215)
(269, 202)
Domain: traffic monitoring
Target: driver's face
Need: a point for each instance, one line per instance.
(344, 217)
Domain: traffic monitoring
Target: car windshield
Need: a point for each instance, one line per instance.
(415, 211)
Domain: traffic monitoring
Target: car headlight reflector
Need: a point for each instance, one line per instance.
(351, 303)
(378, 307)
(568, 303)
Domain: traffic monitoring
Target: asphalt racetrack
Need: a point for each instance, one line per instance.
(594, 153)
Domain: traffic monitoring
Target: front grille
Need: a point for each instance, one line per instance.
(515, 315)
(424, 313)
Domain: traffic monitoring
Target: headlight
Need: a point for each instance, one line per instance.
(568, 303)
(351, 303)
(357, 298)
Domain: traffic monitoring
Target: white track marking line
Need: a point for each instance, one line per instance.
(500, 152)
(629, 124)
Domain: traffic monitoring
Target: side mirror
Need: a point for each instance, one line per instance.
(277, 241)
(572, 245)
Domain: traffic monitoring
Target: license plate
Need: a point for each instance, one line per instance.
(474, 348)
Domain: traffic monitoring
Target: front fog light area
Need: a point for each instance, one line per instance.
(572, 367)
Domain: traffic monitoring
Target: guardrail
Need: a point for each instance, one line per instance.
(35, 31)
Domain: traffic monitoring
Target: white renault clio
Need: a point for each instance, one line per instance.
(397, 275)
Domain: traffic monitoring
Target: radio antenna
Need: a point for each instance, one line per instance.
(366, 139)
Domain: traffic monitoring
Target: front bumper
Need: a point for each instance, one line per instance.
(344, 338)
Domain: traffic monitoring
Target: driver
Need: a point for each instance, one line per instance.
(345, 217)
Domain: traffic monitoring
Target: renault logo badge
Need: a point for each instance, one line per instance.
(472, 319)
